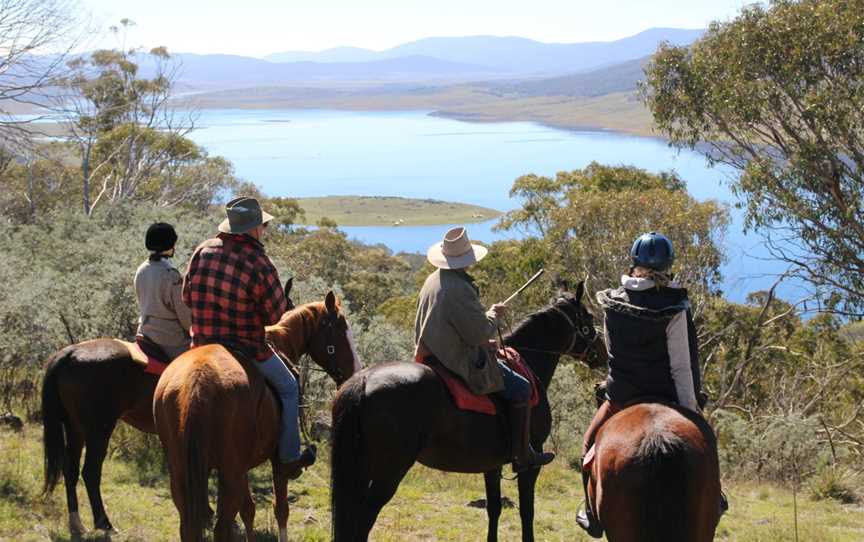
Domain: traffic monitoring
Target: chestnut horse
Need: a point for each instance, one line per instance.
(214, 411)
(389, 416)
(656, 476)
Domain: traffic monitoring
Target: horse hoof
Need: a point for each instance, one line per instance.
(76, 528)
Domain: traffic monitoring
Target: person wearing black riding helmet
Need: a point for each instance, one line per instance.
(651, 340)
(165, 319)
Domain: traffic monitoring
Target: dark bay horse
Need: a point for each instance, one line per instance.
(388, 416)
(213, 411)
(656, 475)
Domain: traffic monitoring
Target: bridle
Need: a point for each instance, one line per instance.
(578, 331)
(330, 348)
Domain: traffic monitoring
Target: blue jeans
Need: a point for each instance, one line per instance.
(516, 388)
(275, 372)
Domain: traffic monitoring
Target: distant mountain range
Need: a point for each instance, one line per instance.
(621, 77)
(225, 71)
(534, 68)
(509, 54)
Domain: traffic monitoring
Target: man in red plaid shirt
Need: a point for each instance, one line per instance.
(233, 291)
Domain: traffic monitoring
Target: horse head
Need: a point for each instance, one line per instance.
(584, 342)
(332, 345)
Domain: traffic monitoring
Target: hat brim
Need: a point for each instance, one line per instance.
(437, 258)
(225, 225)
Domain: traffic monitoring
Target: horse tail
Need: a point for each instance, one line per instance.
(348, 477)
(663, 496)
(53, 421)
(196, 437)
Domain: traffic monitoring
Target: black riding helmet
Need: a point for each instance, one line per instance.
(160, 237)
(652, 250)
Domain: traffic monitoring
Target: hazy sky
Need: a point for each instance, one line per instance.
(260, 27)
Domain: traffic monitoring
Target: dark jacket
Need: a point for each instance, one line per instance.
(651, 342)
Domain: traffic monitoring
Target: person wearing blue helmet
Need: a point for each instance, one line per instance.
(651, 340)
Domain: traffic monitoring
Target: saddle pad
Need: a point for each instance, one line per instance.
(154, 366)
(465, 399)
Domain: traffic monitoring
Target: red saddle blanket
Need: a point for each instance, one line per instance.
(465, 399)
(157, 359)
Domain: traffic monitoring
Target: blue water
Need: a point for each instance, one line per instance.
(302, 153)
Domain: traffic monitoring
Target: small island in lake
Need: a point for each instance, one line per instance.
(392, 211)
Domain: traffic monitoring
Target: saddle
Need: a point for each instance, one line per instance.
(157, 359)
(467, 400)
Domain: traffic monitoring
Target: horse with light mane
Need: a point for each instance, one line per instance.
(88, 387)
(214, 411)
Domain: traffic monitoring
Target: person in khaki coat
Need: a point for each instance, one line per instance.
(453, 328)
(165, 319)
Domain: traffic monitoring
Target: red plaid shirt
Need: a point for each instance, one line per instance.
(233, 290)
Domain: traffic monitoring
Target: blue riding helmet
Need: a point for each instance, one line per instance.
(653, 250)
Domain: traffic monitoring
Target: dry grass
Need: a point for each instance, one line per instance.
(429, 506)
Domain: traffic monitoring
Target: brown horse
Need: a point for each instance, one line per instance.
(656, 476)
(214, 412)
(389, 416)
(87, 388)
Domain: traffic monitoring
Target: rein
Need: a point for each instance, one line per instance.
(578, 331)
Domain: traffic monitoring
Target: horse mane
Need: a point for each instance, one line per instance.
(525, 327)
(302, 320)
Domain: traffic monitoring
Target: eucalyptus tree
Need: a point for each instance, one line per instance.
(778, 94)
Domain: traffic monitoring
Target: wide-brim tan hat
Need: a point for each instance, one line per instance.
(244, 215)
(455, 251)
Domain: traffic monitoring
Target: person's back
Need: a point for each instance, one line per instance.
(165, 319)
(652, 346)
(651, 350)
(452, 328)
(233, 290)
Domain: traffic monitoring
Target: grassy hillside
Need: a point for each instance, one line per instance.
(392, 211)
(618, 112)
(429, 505)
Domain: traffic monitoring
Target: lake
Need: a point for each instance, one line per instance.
(302, 153)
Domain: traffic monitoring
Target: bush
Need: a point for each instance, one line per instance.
(836, 482)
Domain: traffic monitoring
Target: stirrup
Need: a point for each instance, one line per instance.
(294, 469)
(538, 460)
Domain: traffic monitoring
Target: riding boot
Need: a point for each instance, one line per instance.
(524, 456)
(294, 469)
(585, 518)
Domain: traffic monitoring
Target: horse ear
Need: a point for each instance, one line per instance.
(330, 302)
(580, 290)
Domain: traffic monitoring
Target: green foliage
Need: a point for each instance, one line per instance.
(586, 220)
(131, 145)
(776, 93)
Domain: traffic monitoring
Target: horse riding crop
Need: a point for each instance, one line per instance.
(527, 284)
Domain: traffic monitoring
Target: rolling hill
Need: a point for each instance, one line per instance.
(510, 54)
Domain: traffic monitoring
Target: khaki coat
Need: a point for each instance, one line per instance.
(452, 325)
(165, 319)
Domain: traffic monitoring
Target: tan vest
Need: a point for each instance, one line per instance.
(164, 318)
(453, 325)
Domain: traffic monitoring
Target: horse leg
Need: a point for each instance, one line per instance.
(527, 481)
(247, 513)
(280, 502)
(381, 490)
(493, 502)
(97, 448)
(232, 493)
(71, 468)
